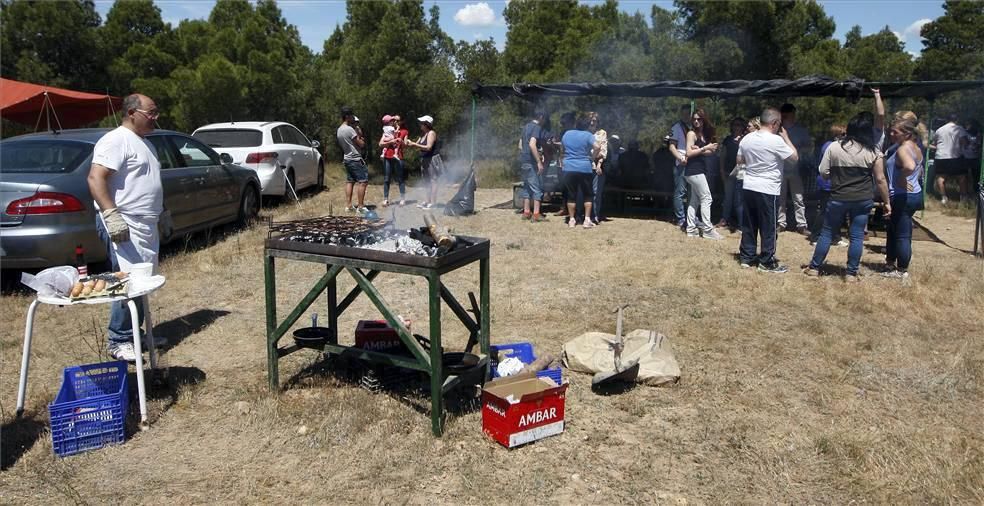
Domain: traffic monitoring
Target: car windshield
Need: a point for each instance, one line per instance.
(230, 138)
(43, 156)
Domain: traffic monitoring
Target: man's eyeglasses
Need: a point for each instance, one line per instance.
(149, 114)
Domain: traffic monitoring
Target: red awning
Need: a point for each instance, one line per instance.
(26, 103)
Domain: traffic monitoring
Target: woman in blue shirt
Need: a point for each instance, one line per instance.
(580, 151)
(904, 167)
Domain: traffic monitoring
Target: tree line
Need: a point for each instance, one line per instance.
(246, 62)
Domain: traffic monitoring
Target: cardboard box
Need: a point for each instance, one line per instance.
(377, 335)
(537, 413)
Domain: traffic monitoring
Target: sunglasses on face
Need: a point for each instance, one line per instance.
(149, 114)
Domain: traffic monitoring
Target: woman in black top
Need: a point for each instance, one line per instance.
(701, 151)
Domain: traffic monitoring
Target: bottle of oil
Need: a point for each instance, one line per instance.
(80, 261)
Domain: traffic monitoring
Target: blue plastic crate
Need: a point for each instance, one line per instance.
(90, 409)
(524, 352)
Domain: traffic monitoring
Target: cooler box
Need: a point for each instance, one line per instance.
(520, 409)
(377, 335)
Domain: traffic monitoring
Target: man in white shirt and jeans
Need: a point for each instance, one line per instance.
(125, 181)
(949, 141)
(763, 152)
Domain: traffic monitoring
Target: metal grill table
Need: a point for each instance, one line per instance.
(364, 265)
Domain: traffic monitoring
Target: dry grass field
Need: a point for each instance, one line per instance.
(794, 390)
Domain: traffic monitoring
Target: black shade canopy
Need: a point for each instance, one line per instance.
(813, 86)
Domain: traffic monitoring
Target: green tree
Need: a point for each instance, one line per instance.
(52, 43)
(954, 43)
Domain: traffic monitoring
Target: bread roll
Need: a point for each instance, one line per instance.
(100, 286)
(86, 290)
(76, 289)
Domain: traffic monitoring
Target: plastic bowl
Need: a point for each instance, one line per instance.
(312, 337)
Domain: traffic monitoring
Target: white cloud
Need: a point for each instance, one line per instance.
(898, 35)
(913, 29)
(479, 14)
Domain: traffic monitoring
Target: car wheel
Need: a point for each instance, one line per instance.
(291, 183)
(517, 197)
(249, 206)
(321, 176)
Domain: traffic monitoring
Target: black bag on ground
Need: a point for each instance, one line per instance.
(463, 202)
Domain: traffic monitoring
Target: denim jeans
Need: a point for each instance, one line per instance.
(818, 221)
(120, 329)
(532, 186)
(598, 187)
(837, 210)
(898, 247)
(759, 221)
(679, 192)
(393, 167)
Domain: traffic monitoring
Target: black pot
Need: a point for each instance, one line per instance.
(312, 337)
(457, 362)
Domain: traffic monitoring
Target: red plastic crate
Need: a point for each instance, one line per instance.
(377, 335)
(538, 414)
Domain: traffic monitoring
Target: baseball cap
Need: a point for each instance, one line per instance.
(426, 119)
(347, 111)
(387, 118)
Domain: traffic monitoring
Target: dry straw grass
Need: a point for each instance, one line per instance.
(794, 390)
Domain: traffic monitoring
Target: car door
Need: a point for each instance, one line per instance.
(216, 191)
(305, 155)
(289, 158)
(179, 183)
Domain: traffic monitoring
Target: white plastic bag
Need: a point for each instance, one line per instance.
(54, 281)
(509, 366)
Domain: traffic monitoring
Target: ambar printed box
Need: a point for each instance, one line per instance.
(377, 335)
(539, 412)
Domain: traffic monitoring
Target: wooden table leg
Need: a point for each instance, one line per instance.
(333, 308)
(270, 289)
(437, 365)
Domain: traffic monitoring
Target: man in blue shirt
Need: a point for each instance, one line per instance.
(531, 165)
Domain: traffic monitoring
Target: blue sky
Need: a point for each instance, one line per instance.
(473, 20)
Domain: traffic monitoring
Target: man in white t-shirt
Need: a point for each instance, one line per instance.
(950, 140)
(763, 152)
(125, 181)
(679, 152)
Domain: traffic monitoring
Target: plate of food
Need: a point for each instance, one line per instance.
(107, 284)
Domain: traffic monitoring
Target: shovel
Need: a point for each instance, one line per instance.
(626, 372)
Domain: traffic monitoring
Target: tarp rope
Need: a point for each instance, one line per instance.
(472, 164)
(47, 110)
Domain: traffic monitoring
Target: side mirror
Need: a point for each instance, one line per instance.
(225, 158)
(315, 144)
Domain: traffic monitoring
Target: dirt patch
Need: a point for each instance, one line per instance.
(794, 390)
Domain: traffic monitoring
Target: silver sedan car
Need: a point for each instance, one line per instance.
(48, 211)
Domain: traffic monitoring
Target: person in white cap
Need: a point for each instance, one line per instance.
(430, 158)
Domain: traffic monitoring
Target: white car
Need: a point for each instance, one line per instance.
(277, 151)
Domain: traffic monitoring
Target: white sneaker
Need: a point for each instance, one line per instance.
(123, 351)
(842, 243)
(386, 202)
(943, 201)
(422, 205)
(363, 210)
(714, 235)
(403, 202)
(428, 205)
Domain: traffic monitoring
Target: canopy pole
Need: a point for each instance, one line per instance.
(979, 226)
(473, 133)
(929, 124)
